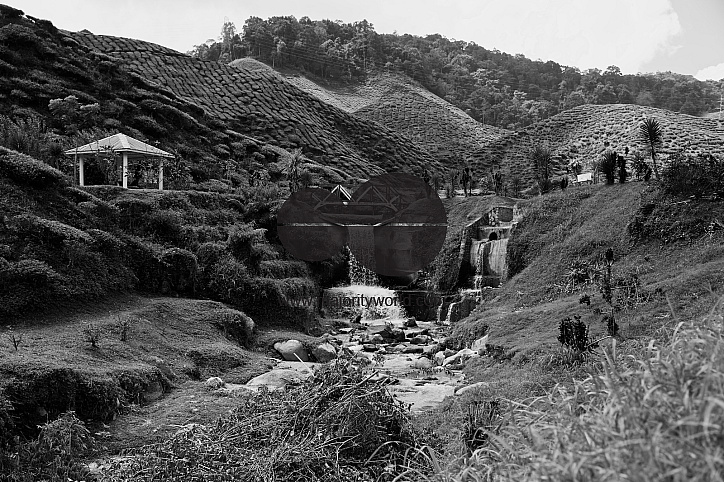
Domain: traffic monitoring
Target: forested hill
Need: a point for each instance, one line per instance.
(493, 87)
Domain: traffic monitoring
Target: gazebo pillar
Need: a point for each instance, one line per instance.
(160, 175)
(81, 171)
(124, 170)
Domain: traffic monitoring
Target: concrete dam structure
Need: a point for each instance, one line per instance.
(484, 247)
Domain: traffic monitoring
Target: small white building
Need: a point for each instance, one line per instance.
(128, 148)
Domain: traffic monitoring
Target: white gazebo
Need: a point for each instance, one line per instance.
(128, 147)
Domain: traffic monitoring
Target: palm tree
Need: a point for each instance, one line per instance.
(608, 166)
(541, 158)
(293, 168)
(651, 134)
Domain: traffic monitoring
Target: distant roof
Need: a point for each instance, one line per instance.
(120, 143)
(342, 192)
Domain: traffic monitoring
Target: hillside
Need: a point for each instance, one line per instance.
(403, 105)
(494, 87)
(261, 104)
(585, 132)
(663, 260)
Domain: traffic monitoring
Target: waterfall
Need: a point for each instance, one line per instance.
(450, 309)
(358, 274)
(362, 242)
(488, 258)
(373, 302)
(496, 257)
(439, 311)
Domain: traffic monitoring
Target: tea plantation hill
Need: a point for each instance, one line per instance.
(400, 103)
(261, 104)
(581, 134)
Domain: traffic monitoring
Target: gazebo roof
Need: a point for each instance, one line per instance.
(341, 192)
(119, 143)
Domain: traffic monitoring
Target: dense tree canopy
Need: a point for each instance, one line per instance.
(493, 87)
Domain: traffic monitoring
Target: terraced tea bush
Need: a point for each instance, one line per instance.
(164, 225)
(27, 282)
(180, 267)
(28, 171)
(47, 232)
(237, 326)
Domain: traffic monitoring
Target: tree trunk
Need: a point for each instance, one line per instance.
(656, 168)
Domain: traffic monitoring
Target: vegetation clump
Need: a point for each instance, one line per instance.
(661, 403)
(339, 425)
(694, 176)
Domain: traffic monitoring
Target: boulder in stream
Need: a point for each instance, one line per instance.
(422, 363)
(324, 352)
(291, 349)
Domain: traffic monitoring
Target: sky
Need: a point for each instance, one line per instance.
(683, 36)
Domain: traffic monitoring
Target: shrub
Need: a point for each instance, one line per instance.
(55, 454)
(132, 211)
(164, 225)
(7, 426)
(194, 236)
(106, 243)
(574, 334)
(608, 166)
(660, 403)
(269, 300)
(238, 326)
(144, 258)
(541, 159)
(31, 271)
(338, 425)
(622, 173)
(180, 267)
(611, 325)
(174, 200)
(10, 13)
(123, 325)
(240, 242)
(27, 283)
(283, 269)
(209, 254)
(228, 280)
(46, 231)
(92, 334)
(29, 172)
(14, 338)
(213, 185)
(176, 117)
(263, 193)
(641, 167)
(149, 126)
(695, 176)
(20, 36)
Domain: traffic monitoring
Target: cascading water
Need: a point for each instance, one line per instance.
(488, 257)
(496, 257)
(364, 296)
(358, 274)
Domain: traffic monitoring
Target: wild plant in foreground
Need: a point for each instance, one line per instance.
(341, 425)
(653, 414)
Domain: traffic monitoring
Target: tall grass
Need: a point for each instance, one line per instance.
(652, 412)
